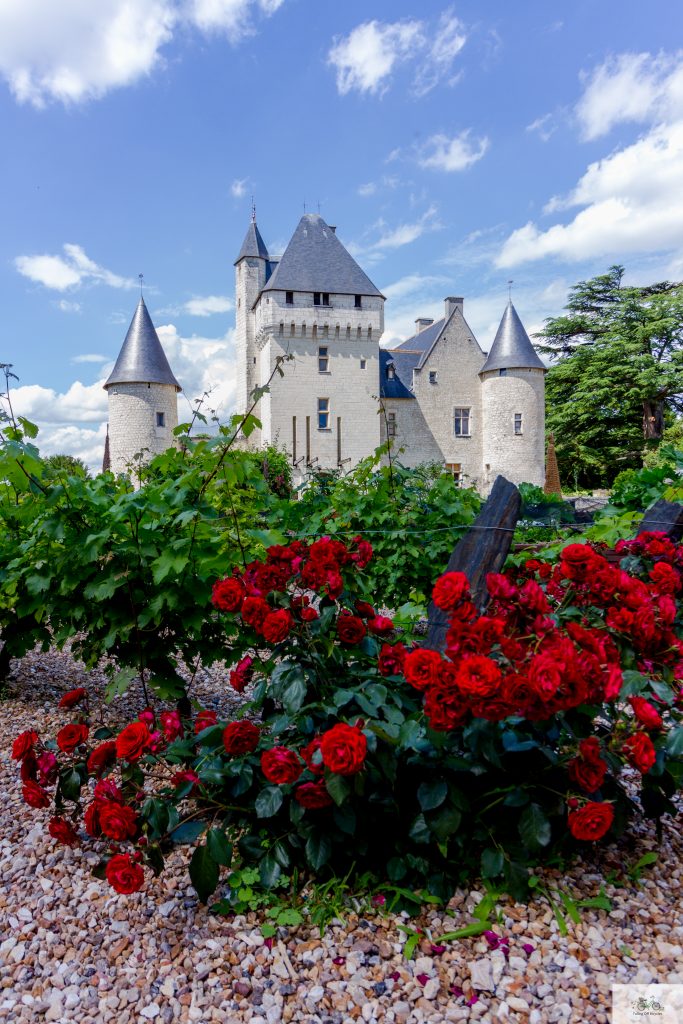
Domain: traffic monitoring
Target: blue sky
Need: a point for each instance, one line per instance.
(454, 146)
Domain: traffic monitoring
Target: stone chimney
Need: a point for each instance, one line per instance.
(451, 303)
(422, 322)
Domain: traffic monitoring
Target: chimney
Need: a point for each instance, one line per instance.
(451, 303)
(422, 322)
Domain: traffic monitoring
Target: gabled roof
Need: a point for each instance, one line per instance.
(253, 245)
(316, 261)
(142, 360)
(511, 346)
(424, 339)
(404, 363)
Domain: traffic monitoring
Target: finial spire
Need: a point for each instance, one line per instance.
(510, 284)
(141, 277)
(253, 211)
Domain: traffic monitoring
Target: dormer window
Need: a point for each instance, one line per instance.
(391, 372)
(289, 298)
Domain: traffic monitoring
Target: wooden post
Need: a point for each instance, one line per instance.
(482, 550)
(665, 517)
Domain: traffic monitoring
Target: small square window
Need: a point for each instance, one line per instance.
(518, 423)
(502, 372)
(326, 298)
(323, 360)
(289, 298)
(363, 364)
(455, 469)
(357, 301)
(461, 422)
(161, 419)
(433, 377)
(323, 414)
(316, 298)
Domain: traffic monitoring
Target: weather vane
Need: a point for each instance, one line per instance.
(140, 276)
(253, 210)
(510, 284)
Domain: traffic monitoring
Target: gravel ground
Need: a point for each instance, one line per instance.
(73, 950)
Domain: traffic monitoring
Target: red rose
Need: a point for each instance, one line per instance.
(312, 795)
(117, 821)
(71, 699)
(587, 774)
(132, 741)
(240, 738)
(203, 720)
(577, 561)
(63, 831)
(308, 752)
(91, 819)
(277, 625)
(640, 752)
(665, 578)
(500, 588)
(343, 748)
(545, 675)
(24, 744)
(242, 674)
(106, 789)
(450, 590)
(147, 716)
(444, 708)
(350, 628)
(254, 611)
(124, 875)
(365, 610)
(171, 726)
(478, 677)
(47, 766)
(281, 765)
(589, 749)
(380, 625)
(391, 659)
(34, 795)
(309, 615)
(71, 736)
(28, 772)
(591, 821)
(421, 668)
(101, 757)
(181, 778)
(646, 713)
(227, 595)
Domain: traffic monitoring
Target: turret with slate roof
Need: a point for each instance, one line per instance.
(511, 347)
(142, 392)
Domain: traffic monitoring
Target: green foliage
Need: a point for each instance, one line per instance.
(66, 465)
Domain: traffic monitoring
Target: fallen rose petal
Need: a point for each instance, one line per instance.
(268, 943)
(339, 960)
(528, 948)
(422, 978)
(436, 950)
(379, 901)
(395, 976)
(455, 990)
(472, 1000)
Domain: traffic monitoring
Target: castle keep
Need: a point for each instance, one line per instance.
(437, 396)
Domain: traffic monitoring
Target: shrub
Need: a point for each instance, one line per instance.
(358, 747)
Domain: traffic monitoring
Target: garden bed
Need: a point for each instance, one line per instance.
(72, 949)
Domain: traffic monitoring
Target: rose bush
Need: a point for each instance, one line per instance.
(551, 718)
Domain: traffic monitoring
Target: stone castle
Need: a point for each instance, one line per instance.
(436, 397)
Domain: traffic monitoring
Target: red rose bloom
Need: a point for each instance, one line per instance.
(71, 736)
(421, 668)
(254, 611)
(240, 738)
(640, 752)
(227, 595)
(350, 628)
(117, 821)
(588, 775)
(444, 708)
(124, 875)
(363, 553)
(589, 749)
(391, 659)
(28, 772)
(365, 610)
(478, 677)
(309, 615)
(380, 625)
(91, 819)
(186, 775)
(591, 821)
(450, 590)
(171, 726)
(63, 831)
(101, 757)
(281, 765)
(665, 578)
(71, 699)
(24, 744)
(106, 789)
(203, 720)
(343, 748)
(132, 741)
(646, 713)
(307, 753)
(242, 674)
(577, 561)
(312, 795)
(277, 625)
(34, 795)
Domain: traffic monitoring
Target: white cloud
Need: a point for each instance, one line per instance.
(449, 41)
(545, 127)
(202, 364)
(394, 238)
(69, 307)
(456, 153)
(71, 51)
(207, 305)
(368, 189)
(90, 357)
(68, 271)
(238, 189)
(636, 87)
(81, 403)
(631, 203)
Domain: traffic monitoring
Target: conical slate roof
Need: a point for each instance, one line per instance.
(316, 261)
(511, 346)
(253, 245)
(142, 359)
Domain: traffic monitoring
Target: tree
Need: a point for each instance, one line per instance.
(68, 464)
(616, 379)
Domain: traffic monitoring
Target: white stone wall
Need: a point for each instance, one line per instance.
(250, 277)
(413, 442)
(132, 421)
(519, 458)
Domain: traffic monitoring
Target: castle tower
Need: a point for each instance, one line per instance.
(513, 406)
(143, 395)
(252, 269)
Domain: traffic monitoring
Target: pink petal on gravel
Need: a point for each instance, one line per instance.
(338, 960)
(395, 976)
(472, 1000)
(436, 950)
(528, 948)
(455, 990)
(422, 978)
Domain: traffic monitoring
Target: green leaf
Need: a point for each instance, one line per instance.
(118, 685)
(318, 850)
(534, 827)
(268, 802)
(445, 823)
(188, 832)
(419, 830)
(674, 743)
(492, 861)
(203, 873)
(219, 847)
(338, 788)
(269, 870)
(432, 794)
(294, 693)
(70, 783)
(167, 563)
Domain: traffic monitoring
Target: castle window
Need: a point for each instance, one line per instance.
(314, 331)
(348, 331)
(518, 423)
(303, 330)
(433, 379)
(391, 424)
(323, 414)
(161, 419)
(289, 298)
(323, 360)
(282, 328)
(502, 372)
(357, 301)
(455, 469)
(461, 422)
(358, 333)
(336, 331)
(326, 298)
(292, 330)
(316, 298)
(369, 333)
(363, 364)
(321, 298)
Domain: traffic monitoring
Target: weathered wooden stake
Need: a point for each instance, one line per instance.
(664, 516)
